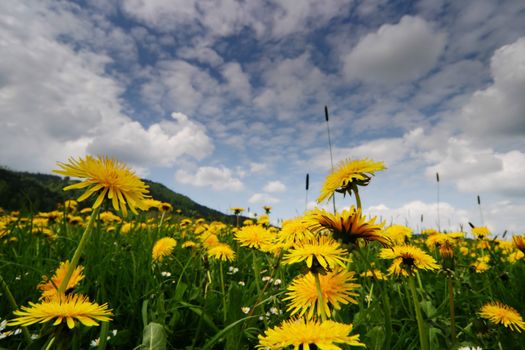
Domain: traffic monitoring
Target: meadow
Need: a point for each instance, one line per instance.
(127, 272)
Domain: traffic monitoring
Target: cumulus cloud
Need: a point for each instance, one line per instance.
(228, 17)
(395, 53)
(160, 144)
(410, 214)
(218, 178)
(274, 186)
(54, 95)
(500, 108)
(263, 198)
(479, 170)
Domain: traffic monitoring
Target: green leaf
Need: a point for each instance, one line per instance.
(218, 336)
(154, 337)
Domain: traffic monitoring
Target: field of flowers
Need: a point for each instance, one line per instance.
(128, 272)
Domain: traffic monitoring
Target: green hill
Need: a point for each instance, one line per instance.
(30, 192)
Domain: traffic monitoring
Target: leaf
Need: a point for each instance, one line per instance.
(153, 337)
(218, 336)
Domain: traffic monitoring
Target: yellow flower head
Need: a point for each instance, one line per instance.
(301, 333)
(221, 251)
(109, 217)
(254, 236)
(237, 210)
(519, 242)
(106, 176)
(347, 226)
(399, 234)
(499, 313)
(68, 309)
(481, 232)
(49, 287)
(162, 248)
(337, 288)
(165, 207)
(151, 203)
(349, 173)
(292, 232)
(324, 250)
(407, 259)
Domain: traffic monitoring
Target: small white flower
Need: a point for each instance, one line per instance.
(166, 274)
(232, 270)
(267, 278)
(277, 282)
(274, 310)
(245, 309)
(241, 283)
(94, 343)
(114, 332)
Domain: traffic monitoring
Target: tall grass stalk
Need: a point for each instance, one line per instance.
(78, 252)
(13, 304)
(423, 341)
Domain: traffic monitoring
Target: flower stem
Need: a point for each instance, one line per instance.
(224, 310)
(357, 197)
(78, 252)
(12, 301)
(420, 324)
(452, 313)
(320, 302)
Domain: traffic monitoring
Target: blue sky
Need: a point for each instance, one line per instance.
(224, 100)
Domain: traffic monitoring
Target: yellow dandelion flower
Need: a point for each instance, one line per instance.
(254, 236)
(49, 287)
(293, 231)
(109, 217)
(347, 174)
(221, 251)
(481, 232)
(347, 226)
(324, 250)
(337, 288)
(150, 203)
(106, 176)
(162, 248)
(407, 259)
(519, 242)
(480, 265)
(69, 309)
(375, 274)
(237, 210)
(166, 207)
(86, 211)
(301, 333)
(499, 313)
(399, 234)
(189, 244)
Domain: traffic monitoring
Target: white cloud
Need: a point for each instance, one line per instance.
(160, 144)
(479, 170)
(274, 186)
(409, 214)
(500, 108)
(395, 53)
(218, 178)
(61, 98)
(258, 167)
(226, 17)
(263, 198)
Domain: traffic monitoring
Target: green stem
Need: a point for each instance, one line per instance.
(320, 302)
(224, 310)
(452, 313)
(78, 252)
(102, 340)
(12, 301)
(357, 197)
(420, 324)
(161, 222)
